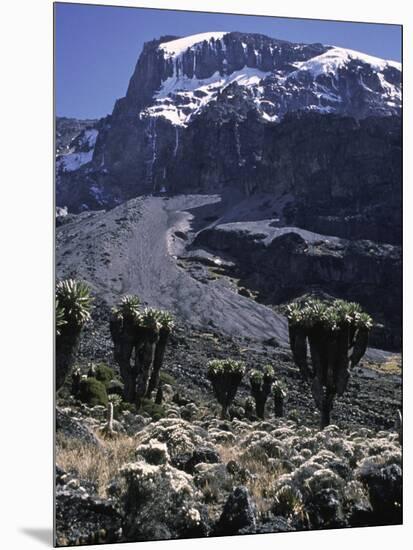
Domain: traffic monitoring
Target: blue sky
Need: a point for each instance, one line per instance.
(97, 46)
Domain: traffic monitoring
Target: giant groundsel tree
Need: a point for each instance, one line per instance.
(336, 336)
(225, 376)
(261, 383)
(140, 338)
(73, 305)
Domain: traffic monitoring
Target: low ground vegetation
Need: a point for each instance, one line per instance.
(293, 477)
(229, 443)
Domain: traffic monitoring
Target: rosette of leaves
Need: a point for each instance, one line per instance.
(260, 382)
(127, 310)
(278, 395)
(166, 325)
(249, 408)
(74, 300)
(150, 319)
(336, 336)
(59, 318)
(73, 306)
(225, 376)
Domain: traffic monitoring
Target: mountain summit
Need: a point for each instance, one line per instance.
(280, 76)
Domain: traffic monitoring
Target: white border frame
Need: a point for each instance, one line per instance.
(27, 271)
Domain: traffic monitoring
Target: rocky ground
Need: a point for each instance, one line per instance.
(189, 474)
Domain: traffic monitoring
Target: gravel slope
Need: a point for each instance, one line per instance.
(131, 249)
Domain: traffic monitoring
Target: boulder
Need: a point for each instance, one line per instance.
(74, 429)
(325, 510)
(383, 478)
(160, 502)
(239, 514)
(205, 455)
(153, 452)
(82, 517)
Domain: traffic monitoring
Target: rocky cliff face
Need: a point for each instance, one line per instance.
(207, 112)
(67, 130)
(283, 263)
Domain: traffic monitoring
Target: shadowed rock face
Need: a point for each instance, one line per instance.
(344, 176)
(285, 263)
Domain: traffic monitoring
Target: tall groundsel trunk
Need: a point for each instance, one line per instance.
(158, 360)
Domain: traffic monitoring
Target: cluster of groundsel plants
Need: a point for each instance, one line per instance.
(128, 310)
(73, 303)
(141, 335)
(278, 389)
(337, 334)
(260, 382)
(330, 315)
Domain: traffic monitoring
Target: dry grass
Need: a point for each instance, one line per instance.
(262, 481)
(97, 465)
(391, 366)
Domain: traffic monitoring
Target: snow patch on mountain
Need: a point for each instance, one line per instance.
(179, 98)
(85, 146)
(177, 47)
(89, 138)
(337, 58)
(247, 76)
(73, 161)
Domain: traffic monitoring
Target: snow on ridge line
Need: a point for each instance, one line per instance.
(337, 57)
(180, 45)
(247, 76)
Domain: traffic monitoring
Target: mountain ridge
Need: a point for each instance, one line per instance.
(238, 85)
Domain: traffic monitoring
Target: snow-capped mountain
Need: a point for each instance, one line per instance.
(230, 88)
(280, 76)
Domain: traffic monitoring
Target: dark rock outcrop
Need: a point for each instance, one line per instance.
(81, 516)
(74, 429)
(67, 130)
(384, 482)
(239, 514)
(285, 263)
